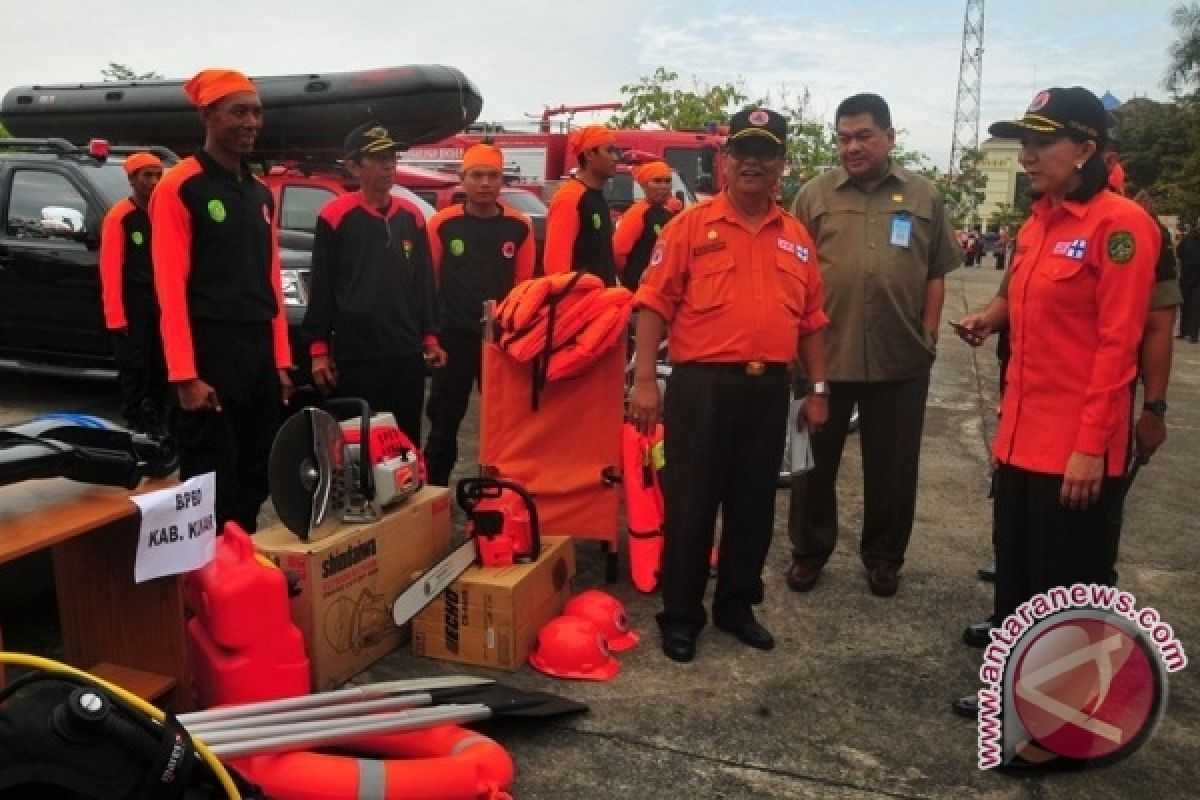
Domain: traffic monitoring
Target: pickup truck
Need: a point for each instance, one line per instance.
(53, 198)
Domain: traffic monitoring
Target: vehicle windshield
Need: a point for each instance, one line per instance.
(109, 178)
(523, 201)
(622, 191)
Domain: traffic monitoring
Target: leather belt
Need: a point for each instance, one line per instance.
(752, 368)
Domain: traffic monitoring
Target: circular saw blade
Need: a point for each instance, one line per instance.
(301, 472)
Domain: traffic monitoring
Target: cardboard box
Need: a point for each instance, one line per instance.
(348, 581)
(491, 616)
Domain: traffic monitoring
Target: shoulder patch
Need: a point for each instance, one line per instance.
(1121, 247)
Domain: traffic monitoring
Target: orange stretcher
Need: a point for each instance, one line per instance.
(567, 452)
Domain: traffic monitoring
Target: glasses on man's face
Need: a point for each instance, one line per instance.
(759, 149)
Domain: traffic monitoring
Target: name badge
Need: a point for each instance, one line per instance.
(901, 230)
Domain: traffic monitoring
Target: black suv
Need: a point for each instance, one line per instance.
(53, 198)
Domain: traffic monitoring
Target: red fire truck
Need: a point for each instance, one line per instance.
(545, 155)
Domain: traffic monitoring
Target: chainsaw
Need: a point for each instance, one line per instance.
(502, 530)
(323, 472)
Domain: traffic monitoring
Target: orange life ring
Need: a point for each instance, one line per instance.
(446, 762)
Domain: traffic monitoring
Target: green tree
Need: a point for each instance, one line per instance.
(4, 134)
(1183, 57)
(658, 99)
(1010, 217)
(121, 72)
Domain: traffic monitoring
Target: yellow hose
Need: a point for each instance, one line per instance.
(49, 665)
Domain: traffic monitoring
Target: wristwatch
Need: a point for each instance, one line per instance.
(820, 387)
(1156, 407)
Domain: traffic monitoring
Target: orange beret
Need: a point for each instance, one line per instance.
(141, 160)
(483, 156)
(208, 86)
(590, 137)
(651, 170)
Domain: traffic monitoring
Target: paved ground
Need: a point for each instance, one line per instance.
(854, 702)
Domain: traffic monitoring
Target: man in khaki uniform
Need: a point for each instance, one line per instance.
(885, 245)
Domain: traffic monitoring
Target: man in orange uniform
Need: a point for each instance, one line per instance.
(479, 250)
(736, 282)
(579, 225)
(642, 222)
(216, 272)
(127, 290)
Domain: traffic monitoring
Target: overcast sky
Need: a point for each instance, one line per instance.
(525, 54)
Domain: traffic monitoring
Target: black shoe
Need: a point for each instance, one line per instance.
(967, 706)
(883, 580)
(750, 633)
(987, 573)
(978, 634)
(679, 647)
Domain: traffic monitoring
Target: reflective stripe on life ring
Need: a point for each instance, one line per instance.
(446, 762)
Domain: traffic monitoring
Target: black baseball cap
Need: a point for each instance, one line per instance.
(369, 139)
(761, 122)
(1073, 112)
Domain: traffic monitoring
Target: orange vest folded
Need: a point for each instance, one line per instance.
(609, 316)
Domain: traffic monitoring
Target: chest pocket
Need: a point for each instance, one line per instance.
(711, 282)
(792, 281)
(1060, 268)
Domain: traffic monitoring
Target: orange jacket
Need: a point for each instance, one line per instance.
(1077, 303)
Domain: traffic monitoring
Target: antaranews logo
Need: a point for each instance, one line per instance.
(1076, 676)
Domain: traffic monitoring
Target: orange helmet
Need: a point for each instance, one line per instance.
(570, 647)
(608, 614)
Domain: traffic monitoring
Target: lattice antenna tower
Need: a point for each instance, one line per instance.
(970, 84)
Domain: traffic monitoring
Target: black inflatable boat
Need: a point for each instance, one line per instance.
(306, 114)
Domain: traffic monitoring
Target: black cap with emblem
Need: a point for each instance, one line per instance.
(1073, 112)
(758, 122)
(370, 138)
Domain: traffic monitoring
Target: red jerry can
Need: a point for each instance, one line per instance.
(242, 644)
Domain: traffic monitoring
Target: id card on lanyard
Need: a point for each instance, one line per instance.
(901, 235)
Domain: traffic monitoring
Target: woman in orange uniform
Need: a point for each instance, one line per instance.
(1076, 305)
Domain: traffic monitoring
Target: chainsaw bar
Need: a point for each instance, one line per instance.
(423, 591)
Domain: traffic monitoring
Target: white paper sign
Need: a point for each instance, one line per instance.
(802, 455)
(179, 529)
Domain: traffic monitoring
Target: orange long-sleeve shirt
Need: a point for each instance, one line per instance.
(730, 294)
(1078, 296)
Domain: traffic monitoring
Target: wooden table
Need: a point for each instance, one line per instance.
(105, 617)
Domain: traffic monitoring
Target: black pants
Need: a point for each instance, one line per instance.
(141, 367)
(238, 361)
(1040, 543)
(395, 385)
(449, 396)
(891, 415)
(724, 442)
(1189, 317)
